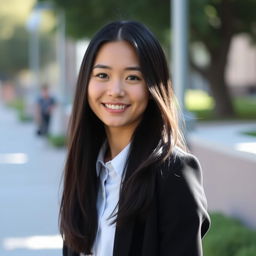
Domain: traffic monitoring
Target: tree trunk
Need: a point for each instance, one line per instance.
(215, 75)
(223, 102)
(215, 72)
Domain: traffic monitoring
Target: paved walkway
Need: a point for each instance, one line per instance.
(30, 174)
(227, 137)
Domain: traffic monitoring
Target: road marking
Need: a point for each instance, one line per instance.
(13, 158)
(249, 147)
(33, 242)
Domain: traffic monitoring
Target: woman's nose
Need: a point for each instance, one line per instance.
(115, 88)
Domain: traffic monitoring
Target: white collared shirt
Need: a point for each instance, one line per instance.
(110, 176)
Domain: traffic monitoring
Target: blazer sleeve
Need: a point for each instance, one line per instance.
(183, 219)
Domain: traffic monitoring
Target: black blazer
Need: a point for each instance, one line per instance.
(177, 220)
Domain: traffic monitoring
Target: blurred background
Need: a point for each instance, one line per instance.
(43, 42)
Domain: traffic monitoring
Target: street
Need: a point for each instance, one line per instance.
(30, 178)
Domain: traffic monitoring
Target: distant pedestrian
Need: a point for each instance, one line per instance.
(130, 186)
(45, 107)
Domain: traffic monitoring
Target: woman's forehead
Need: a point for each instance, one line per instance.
(112, 53)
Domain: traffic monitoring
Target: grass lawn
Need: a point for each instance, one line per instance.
(250, 133)
(201, 104)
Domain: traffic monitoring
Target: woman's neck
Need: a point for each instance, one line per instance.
(118, 139)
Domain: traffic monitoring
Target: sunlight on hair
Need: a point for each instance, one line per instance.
(33, 242)
(13, 158)
(249, 147)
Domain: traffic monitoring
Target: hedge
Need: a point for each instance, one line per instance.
(229, 237)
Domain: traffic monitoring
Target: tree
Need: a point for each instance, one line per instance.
(14, 39)
(13, 53)
(84, 17)
(213, 24)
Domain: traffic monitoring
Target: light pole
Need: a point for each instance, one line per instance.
(179, 22)
(59, 120)
(58, 124)
(32, 25)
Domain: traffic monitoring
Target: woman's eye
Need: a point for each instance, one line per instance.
(133, 78)
(102, 76)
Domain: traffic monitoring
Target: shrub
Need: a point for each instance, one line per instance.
(248, 251)
(58, 141)
(227, 237)
(19, 106)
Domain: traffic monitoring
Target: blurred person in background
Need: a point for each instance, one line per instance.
(44, 107)
(130, 186)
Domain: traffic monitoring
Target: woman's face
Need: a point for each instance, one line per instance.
(117, 92)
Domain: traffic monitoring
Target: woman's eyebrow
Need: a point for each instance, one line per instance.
(101, 66)
(136, 68)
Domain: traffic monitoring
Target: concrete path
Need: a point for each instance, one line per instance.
(30, 175)
(227, 137)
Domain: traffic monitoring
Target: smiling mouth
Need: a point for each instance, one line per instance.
(115, 106)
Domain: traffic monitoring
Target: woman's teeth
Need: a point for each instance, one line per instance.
(119, 107)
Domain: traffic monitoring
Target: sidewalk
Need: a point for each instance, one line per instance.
(228, 160)
(30, 176)
(227, 137)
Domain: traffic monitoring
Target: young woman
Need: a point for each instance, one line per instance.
(129, 186)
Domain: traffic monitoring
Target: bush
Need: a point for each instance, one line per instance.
(58, 141)
(23, 117)
(19, 106)
(228, 237)
(248, 251)
(250, 133)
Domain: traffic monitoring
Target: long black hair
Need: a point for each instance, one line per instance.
(152, 142)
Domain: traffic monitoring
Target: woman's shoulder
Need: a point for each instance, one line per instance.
(180, 188)
(181, 175)
(180, 180)
(180, 163)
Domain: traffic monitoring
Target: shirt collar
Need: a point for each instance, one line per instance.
(117, 162)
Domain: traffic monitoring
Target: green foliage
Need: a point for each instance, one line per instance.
(14, 52)
(58, 141)
(228, 237)
(248, 251)
(206, 16)
(250, 133)
(201, 104)
(245, 107)
(19, 106)
(85, 17)
(24, 117)
(211, 20)
(213, 23)
(198, 100)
